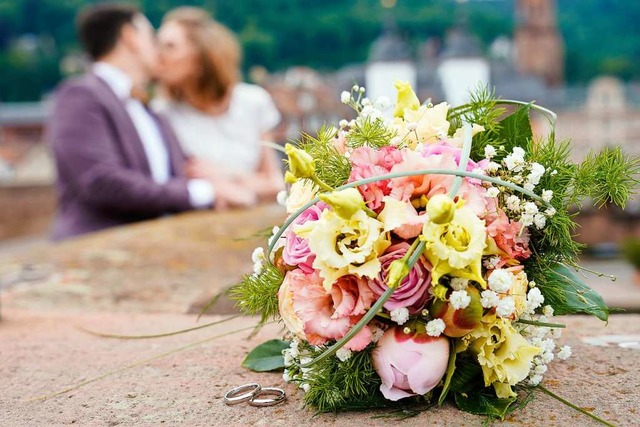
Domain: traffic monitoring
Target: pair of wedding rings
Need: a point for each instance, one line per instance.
(254, 394)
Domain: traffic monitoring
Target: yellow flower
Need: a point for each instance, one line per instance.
(458, 136)
(301, 193)
(441, 209)
(345, 202)
(456, 247)
(301, 164)
(406, 99)
(430, 124)
(345, 246)
(504, 355)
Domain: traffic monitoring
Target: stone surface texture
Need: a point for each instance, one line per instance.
(147, 278)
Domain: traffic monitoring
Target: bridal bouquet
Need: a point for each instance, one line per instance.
(426, 251)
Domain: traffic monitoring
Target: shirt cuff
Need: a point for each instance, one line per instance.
(201, 193)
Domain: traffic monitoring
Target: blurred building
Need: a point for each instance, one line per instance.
(525, 66)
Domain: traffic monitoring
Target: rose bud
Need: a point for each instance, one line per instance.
(461, 321)
(409, 364)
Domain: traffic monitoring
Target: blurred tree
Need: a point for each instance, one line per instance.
(601, 35)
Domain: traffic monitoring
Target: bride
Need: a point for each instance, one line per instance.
(220, 121)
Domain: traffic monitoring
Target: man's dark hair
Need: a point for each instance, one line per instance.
(99, 26)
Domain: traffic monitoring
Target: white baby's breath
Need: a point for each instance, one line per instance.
(459, 299)
(489, 299)
(400, 315)
(435, 327)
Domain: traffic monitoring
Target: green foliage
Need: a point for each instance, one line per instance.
(350, 385)
(370, 132)
(258, 294)
(608, 177)
(482, 110)
(631, 251)
(331, 167)
(484, 403)
(566, 293)
(267, 356)
(515, 131)
(609, 46)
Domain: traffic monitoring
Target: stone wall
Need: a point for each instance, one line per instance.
(25, 210)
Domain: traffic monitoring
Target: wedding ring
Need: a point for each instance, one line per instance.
(278, 393)
(242, 393)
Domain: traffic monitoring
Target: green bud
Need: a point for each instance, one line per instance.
(345, 202)
(301, 164)
(398, 270)
(441, 209)
(289, 178)
(406, 98)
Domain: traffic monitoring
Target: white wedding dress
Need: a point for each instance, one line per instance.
(230, 141)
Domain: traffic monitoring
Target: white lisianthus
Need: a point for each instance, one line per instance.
(301, 193)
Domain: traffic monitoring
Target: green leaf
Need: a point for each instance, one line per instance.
(467, 375)
(266, 357)
(567, 294)
(483, 403)
(451, 367)
(515, 129)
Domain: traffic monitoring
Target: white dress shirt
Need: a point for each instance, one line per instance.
(201, 192)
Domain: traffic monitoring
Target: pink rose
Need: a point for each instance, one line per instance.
(330, 315)
(408, 187)
(367, 162)
(409, 364)
(413, 292)
(296, 250)
(510, 236)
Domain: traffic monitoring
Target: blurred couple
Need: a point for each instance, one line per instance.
(196, 145)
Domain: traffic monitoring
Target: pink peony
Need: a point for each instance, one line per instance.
(367, 162)
(331, 315)
(409, 364)
(296, 250)
(413, 292)
(510, 236)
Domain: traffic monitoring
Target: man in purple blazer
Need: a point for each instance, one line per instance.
(117, 161)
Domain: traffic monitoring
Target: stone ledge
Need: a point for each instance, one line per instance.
(44, 351)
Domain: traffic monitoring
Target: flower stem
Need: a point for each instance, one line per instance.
(571, 405)
(166, 334)
(544, 324)
(320, 183)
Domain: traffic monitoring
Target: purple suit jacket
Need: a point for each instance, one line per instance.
(104, 178)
